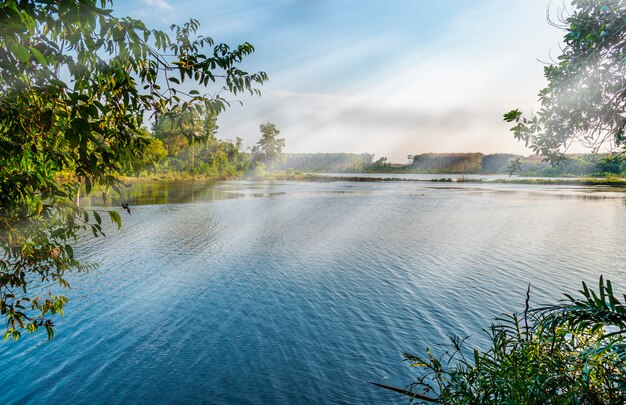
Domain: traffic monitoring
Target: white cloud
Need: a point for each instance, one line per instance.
(162, 5)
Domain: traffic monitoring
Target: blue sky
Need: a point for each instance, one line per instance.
(386, 77)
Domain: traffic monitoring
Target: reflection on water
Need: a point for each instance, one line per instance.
(159, 192)
(176, 192)
(242, 292)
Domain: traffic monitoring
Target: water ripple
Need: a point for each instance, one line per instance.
(301, 292)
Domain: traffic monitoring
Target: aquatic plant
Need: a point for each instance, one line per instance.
(569, 353)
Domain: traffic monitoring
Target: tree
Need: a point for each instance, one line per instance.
(270, 147)
(382, 162)
(168, 131)
(327, 162)
(75, 85)
(180, 129)
(209, 128)
(585, 99)
(152, 156)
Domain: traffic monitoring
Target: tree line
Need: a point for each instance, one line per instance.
(187, 142)
(583, 164)
(327, 162)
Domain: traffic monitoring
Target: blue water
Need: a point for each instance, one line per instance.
(255, 293)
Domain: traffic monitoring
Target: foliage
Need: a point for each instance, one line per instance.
(585, 99)
(497, 163)
(269, 149)
(258, 170)
(612, 165)
(458, 163)
(193, 147)
(175, 131)
(152, 157)
(569, 353)
(75, 85)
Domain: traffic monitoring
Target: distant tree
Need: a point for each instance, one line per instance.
(497, 163)
(209, 129)
(585, 100)
(611, 164)
(382, 162)
(191, 140)
(515, 166)
(269, 149)
(180, 128)
(448, 162)
(175, 131)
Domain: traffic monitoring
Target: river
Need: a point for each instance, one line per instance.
(301, 292)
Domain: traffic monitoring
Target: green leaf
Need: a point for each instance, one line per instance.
(73, 137)
(20, 52)
(50, 332)
(115, 218)
(70, 251)
(87, 185)
(513, 115)
(97, 216)
(40, 58)
(13, 28)
(57, 232)
(81, 124)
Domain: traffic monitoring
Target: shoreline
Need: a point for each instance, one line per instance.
(583, 181)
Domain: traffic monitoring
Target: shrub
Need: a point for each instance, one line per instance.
(569, 353)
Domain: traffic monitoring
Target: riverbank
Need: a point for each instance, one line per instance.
(370, 177)
(607, 181)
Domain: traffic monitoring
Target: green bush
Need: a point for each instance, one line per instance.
(570, 353)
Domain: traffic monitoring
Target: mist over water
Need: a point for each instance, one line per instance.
(244, 292)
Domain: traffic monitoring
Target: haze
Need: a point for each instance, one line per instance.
(390, 79)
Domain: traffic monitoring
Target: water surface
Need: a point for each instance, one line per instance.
(243, 292)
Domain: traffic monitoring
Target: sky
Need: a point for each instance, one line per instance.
(392, 78)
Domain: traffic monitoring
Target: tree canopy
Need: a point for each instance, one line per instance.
(193, 147)
(585, 99)
(76, 84)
